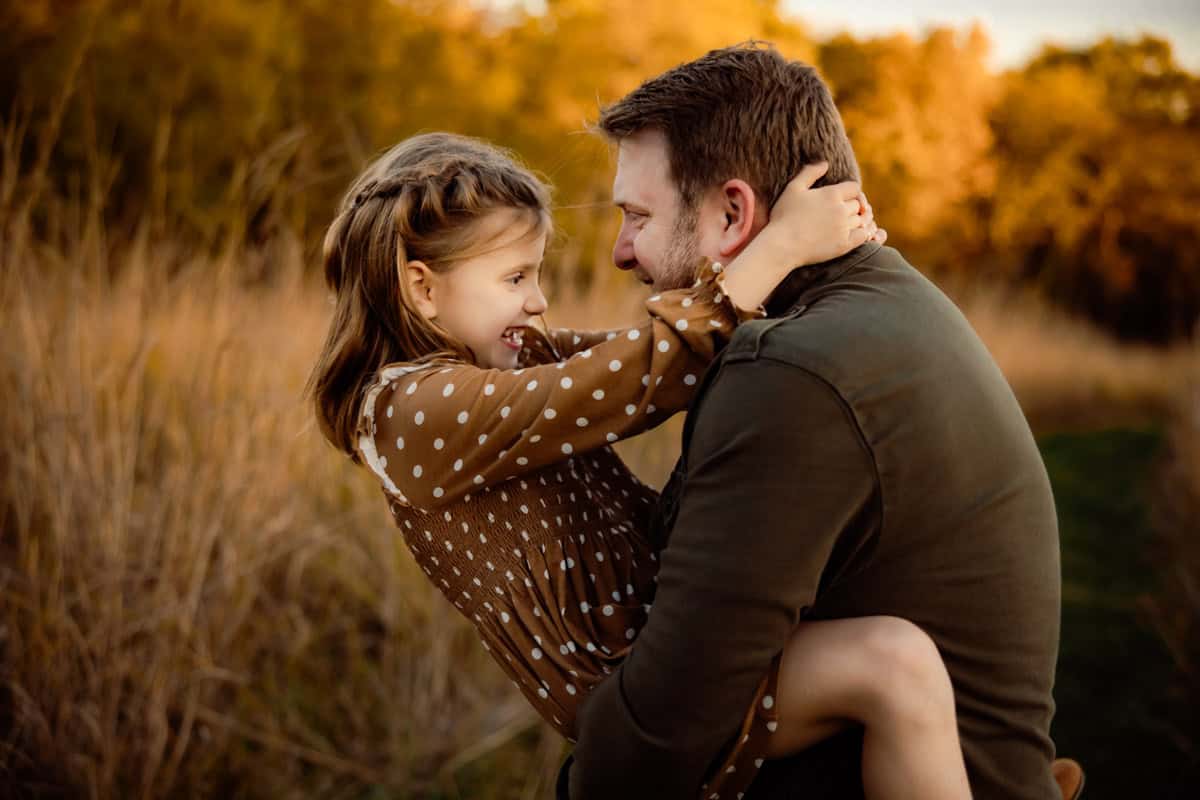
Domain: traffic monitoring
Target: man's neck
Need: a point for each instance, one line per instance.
(801, 279)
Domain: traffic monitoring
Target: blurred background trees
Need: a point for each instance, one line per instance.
(199, 598)
(224, 121)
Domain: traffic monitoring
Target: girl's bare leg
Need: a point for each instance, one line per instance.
(885, 674)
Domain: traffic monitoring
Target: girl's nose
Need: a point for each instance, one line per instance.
(535, 301)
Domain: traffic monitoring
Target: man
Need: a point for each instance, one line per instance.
(856, 453)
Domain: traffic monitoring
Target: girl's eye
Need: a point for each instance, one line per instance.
(516, 279)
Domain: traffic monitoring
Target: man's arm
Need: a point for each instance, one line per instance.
(777, 471)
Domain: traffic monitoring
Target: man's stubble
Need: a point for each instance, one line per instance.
(679, 261)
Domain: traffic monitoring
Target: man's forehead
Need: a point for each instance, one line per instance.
(643, 169)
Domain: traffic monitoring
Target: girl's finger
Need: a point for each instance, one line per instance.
(811, 173)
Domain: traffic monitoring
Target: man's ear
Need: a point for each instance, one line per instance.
(422, 287)
(740, 208)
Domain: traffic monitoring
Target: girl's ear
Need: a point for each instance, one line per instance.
(422, 285)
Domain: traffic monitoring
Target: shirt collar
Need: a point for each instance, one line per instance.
(801, 279)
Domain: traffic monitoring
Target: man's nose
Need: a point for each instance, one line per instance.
(623, 255)
(535, 301)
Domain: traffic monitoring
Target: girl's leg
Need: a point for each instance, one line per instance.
(885, 674)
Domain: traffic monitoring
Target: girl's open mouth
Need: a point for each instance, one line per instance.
(513, 337)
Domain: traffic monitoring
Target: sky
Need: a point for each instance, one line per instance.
(1018, 27)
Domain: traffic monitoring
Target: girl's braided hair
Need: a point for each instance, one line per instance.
(422, 200)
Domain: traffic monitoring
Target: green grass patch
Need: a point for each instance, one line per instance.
(1115, 709)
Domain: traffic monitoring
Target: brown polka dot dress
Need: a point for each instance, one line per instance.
(511, 500)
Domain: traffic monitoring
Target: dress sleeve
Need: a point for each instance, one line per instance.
(433, 434)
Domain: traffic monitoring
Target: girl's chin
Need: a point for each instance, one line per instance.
(503, 359)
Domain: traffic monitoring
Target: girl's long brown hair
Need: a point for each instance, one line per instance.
(422, 200)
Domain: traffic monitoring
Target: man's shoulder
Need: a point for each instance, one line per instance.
(882, 313)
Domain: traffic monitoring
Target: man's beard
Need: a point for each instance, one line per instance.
(683, 253)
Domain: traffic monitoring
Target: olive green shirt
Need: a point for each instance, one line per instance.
(857, 453)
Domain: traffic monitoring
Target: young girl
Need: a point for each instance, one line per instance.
(491, 442)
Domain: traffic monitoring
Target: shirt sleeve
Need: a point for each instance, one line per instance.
(435, 434)
(776, 472)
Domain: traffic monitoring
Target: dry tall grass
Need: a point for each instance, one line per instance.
(196, 595)
(1175, 609)
(198, 598)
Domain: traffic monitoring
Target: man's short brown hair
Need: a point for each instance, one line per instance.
(739, 112)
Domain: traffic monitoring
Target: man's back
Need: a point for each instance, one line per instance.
(962, 539)
(858, 453)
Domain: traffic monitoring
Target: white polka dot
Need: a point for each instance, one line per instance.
(631, 409)
(482, 438)
(610, 336)
(716, 323)
(565, 383)
(608, 611)
(614, 365)
(462, 417)
(489, 389)
(716, 267)
(758, 762)
(570, 689)
(522, 461)
(582, 422)
(438, 491)
(399, 442)
(567, 449)
(585, 608)
(458, 465)
(383, 461)
(610, 437)
(417, 471)
(586, 353)
(772, 725)
(531, 386)
(681, 325)
(689, 380)
(550, 413)
(650, 409)
(390, 411)
(655, 298)
(768, 701)
(542, 693)
(645, 380)
(419, 418)
(412, 388)
(634, 335)
(504, 412)
(478, 479)
(504, 617)
(598, 394)
(448, 390)
(630, 633)
(687, 302)
(537, 437)
(663, 346)
(438, 444)
(591, 648)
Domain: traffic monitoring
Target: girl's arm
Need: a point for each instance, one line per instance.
(435, 434)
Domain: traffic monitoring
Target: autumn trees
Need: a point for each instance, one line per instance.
(220, 120)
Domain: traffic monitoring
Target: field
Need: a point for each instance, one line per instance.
(200, 598)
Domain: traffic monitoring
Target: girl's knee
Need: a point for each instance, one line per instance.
(910, 670)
